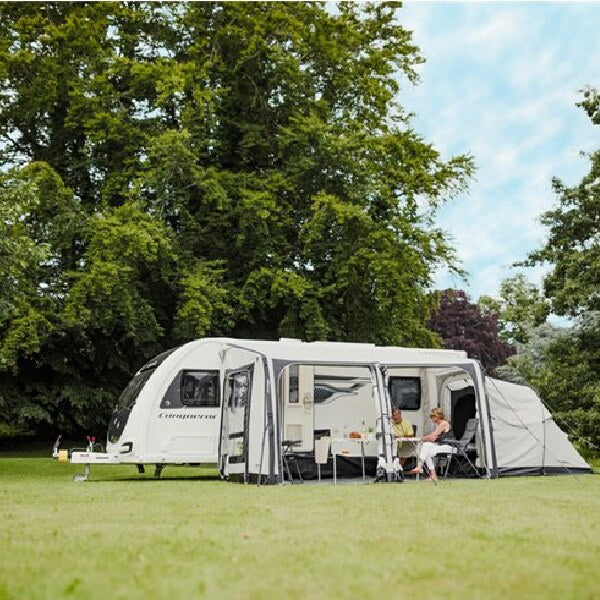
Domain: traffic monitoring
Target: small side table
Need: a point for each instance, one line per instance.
(348, 448)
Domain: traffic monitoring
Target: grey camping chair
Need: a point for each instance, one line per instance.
(290, 458)
(460, 453)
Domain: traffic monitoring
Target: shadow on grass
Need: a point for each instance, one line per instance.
(156, 479)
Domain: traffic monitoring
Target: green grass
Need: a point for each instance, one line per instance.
(189, 535)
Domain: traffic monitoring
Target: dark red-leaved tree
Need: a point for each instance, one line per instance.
(462, 326)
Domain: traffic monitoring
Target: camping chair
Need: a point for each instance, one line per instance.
(460, 450)
(289, 457)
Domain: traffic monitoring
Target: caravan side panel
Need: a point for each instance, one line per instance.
(186, 432)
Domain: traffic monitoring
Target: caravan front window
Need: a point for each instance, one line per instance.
(134, 387)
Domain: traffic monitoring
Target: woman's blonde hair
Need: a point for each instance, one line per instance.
(438, 413)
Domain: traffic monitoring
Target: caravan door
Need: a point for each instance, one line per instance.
(299, 409)
(243, 376)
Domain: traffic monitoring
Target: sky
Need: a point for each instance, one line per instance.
(500, 82)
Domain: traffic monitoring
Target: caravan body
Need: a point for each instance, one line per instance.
(232, 402)
(238, 403)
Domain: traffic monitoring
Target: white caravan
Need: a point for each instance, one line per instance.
(242, 405)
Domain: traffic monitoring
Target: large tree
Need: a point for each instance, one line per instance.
(232, 168)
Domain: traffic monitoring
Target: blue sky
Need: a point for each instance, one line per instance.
(500, 82)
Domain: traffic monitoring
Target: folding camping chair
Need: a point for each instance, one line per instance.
(290, 458)
(460, 450)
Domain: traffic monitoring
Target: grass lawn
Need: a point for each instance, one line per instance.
(190, 535)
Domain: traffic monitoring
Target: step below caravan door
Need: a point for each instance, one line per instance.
(238, 392)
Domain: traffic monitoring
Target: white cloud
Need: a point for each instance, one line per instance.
(501, 83)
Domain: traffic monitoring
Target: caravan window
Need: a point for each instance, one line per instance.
(294, 371)
(405, 392)
(200, 388)
(134, 387)
(196, 389)
(238, 390)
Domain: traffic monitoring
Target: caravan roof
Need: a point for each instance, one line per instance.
(290, 350)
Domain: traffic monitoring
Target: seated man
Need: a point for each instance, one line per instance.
(402, 428)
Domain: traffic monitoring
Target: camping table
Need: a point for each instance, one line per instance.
(352, 447)
(417, 441)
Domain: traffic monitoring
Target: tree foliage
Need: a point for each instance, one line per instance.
(463, 325)
(519, 308)
(201, 169)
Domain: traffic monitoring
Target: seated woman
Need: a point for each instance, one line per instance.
(433, 443)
